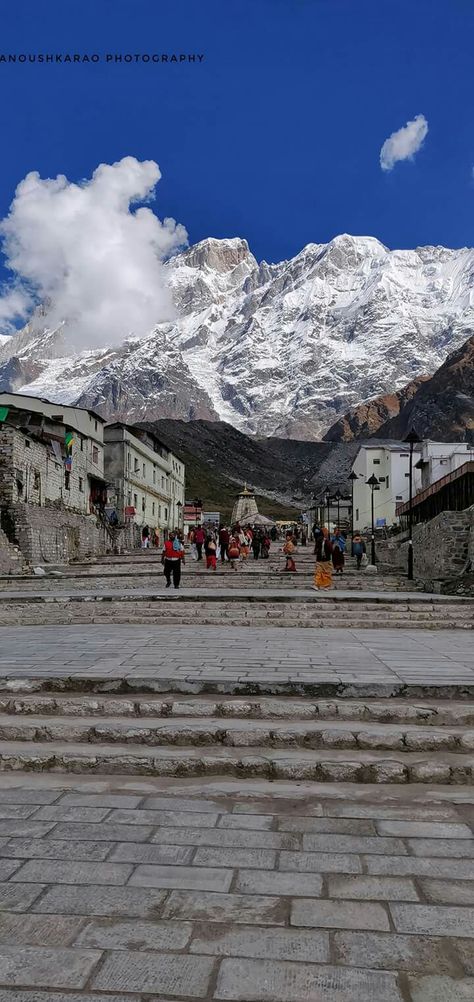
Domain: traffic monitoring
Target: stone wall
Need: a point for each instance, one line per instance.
(52, 534)
(11, 560)
(442, 548)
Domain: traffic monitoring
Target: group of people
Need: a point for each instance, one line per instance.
(228, 544)
(330, 549)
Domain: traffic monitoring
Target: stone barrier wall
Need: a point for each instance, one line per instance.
(441, 548)
(52, 534)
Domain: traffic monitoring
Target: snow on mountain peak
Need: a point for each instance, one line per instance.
(279, 348)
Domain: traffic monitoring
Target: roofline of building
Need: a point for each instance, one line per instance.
(133, 428)
(404, 507)
(52, 403)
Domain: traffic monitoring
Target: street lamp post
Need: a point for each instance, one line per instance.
(412, 439)
(327, 499)
(352, 477)
(337, 498)
(373, 484)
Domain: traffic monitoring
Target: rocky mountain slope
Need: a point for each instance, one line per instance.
(283, 473)
(443, 406)
(273, 349)
(439, 407)
(366, 419)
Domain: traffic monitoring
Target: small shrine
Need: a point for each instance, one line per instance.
(245, 507)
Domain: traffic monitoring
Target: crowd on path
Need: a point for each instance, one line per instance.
(233, 545)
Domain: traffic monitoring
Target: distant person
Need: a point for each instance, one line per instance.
(210, 549)
(145, 537)
(199, 539)
(338, 548)
(273, 533)
(358, 548)
(289, 550)
(224, 537)
(172, 558)
(234, 551)
(256, 545)
(244, 541)
(323, 571)
(266, 544)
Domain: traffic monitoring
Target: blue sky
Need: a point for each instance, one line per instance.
(276, 136)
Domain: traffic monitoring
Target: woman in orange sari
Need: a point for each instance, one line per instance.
(323, 572)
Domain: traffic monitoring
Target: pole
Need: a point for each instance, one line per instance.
(338, 510)
(352, 510)
(328, 499)
(372, 555)
(410, 518)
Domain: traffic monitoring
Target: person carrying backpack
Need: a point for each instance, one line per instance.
(172, 558)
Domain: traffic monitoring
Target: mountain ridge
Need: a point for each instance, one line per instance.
(281, 349)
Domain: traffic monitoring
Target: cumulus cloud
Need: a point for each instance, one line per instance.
(90, 252)
(403, 144)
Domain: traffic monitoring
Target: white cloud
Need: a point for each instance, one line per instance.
(403, 145)
(89, 254)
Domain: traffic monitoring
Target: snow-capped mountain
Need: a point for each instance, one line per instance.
(274, 349)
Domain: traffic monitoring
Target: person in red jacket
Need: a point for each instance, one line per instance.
(199, 538)
(172, 558)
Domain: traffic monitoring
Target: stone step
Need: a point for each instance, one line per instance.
(157, 732)
(245, 762)
(428, 713)
(67, 612)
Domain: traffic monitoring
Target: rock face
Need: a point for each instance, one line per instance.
(273, 349)
(443, 406)
(366, 419)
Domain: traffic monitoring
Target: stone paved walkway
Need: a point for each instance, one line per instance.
(131, 894)
(380, 657)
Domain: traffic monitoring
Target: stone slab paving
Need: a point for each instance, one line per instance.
(195, 655)
(97, 906)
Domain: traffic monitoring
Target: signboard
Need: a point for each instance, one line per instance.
(212, 516)
(381, 521)
(129, 511)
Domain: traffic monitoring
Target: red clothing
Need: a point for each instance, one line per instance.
(171, 554)
(199, 536)
(211, 561)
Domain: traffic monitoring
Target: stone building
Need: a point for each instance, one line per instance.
(52, 488)
(56, 453)
(146, 480)
(245, 507)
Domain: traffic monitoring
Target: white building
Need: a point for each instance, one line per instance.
(146, 480)
(440, 458)
(390, 464)
(51, 453)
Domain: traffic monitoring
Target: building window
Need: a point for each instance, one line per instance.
(81, 444)
(407, 474)
(67, 480)
(162, 483)
(399, 497)
(135, 500)
(95, 425)
(154, 474)
(144, 470)
(159, 511)
(36, 480)
(382, 480)
(136, 466)
(95, 454)
(357, 514)
(27, 444)
(129, 460)
(153, 508)
(81, 484)
(143, 504)
(166, 513)
(376, 462)
(387, 482)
